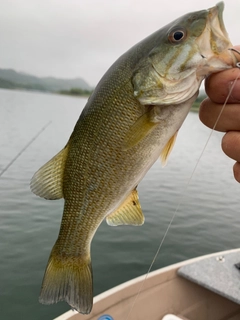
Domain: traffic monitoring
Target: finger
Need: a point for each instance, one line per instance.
(231, 145)
(236, 171)
(229, 120)
(218, 86)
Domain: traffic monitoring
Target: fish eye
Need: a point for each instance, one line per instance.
(177, 36)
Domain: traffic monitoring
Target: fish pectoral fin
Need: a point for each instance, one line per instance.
(48, 180)
(140, 129)
(167, 149)
(129, 213)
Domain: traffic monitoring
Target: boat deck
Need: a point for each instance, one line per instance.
(219, 274)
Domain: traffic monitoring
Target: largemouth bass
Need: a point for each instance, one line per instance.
(130, 120)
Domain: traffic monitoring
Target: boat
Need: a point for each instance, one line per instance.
(203, 288)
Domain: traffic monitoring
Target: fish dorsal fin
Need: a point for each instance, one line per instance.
(167, 149)
(129, 213)
(48, 180)
(140, 129)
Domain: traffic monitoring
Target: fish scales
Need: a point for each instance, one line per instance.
(131, 118)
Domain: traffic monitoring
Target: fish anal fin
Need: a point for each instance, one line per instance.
(167, 149)
(47, 181)
(139, 130)
(129, 213)
(68, 278)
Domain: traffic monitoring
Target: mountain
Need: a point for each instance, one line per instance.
(12, 79)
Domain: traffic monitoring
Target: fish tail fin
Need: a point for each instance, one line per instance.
(68, 279)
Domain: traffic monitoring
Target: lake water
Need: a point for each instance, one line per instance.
(207, 221)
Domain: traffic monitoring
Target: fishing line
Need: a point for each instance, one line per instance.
(27, 145)
(182, 196)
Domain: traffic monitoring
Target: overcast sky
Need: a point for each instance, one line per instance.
(82, 38)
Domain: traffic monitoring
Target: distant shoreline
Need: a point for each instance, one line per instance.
(11, 79)
(76, 92)
(65, 92)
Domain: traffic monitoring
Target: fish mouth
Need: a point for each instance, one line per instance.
(214, 44)
(215, 18)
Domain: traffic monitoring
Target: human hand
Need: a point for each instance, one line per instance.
(217, 87)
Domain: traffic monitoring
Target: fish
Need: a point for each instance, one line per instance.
(130, 121)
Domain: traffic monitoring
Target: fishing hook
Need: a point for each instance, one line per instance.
(235, 50)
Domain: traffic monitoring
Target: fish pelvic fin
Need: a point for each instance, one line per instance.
(129, 213)
(47, 182)
(68, 279)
